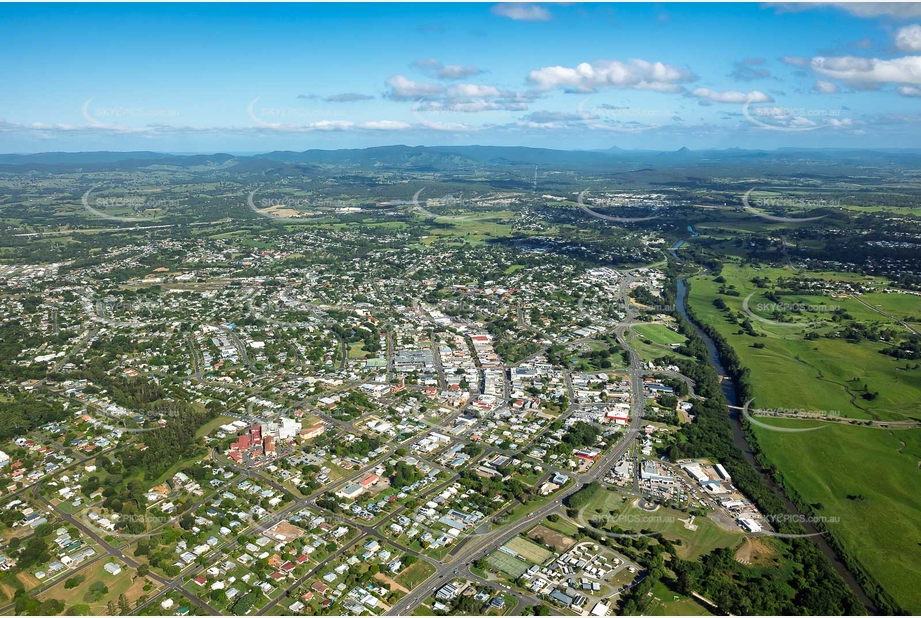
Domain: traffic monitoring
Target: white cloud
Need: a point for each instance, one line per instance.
(909, 38)
(464, 98)
(842, 123)
(456, 71)
(472, 98)
(320, 125)
(159, 130)
(870, 71)
(909, 91)
(823, 87)
(463, 92)
(730, 96)
(523, 11)
(636, 74)
(795, 61)
(403, 89)
(386, 125)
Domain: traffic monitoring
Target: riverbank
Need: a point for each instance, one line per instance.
(729, 391)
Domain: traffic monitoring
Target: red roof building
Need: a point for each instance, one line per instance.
(242, 444)
(319, 587)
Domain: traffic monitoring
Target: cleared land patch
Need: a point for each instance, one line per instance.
(558, 541)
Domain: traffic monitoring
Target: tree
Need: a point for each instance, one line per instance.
(123, 606)
(74, 581)
(96, 592)
(187, 521)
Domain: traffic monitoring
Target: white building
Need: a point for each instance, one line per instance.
(288, 428)
(750, 525)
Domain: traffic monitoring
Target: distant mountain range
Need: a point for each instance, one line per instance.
(445, 158)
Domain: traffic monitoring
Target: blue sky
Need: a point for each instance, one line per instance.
(260, 77)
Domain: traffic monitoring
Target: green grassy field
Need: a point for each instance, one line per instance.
(667, 603)
(659, 333)
(692, 543)
(213, 424)
(357, 350)
(520, 510)
(660, 338)
(123, 583)
(474, 227)
(530, 551)
(902, 306)
(819, 375)
(866, 477)
(423, 610)
(563, 526)
(414, 575)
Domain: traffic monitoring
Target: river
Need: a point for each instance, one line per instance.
(738, 437)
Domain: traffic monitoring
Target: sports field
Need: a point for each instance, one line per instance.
(507, 563)
(652, 341)
(659, 333)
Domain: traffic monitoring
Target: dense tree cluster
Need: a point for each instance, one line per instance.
(22, 413)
